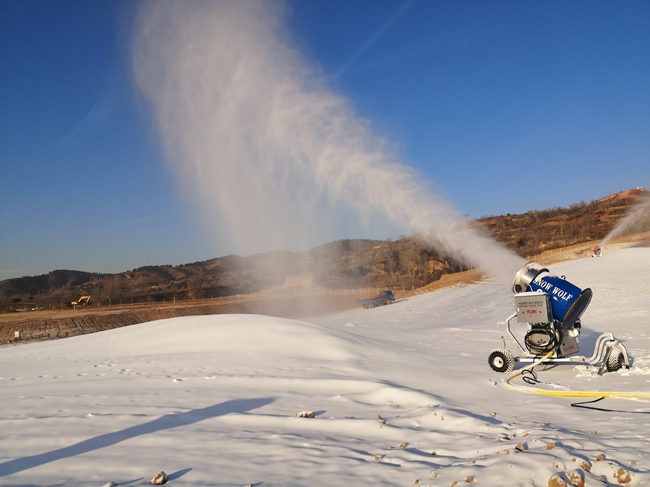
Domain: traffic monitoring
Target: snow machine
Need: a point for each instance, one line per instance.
(551, 308)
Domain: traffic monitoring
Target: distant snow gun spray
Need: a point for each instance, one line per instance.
(551, 307)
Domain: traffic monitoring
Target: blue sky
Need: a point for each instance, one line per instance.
(505, 106)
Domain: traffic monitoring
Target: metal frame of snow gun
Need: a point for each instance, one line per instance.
(551, 308)
(605, 346)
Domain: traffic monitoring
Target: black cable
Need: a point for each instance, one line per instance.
(581, 405)
(541, 350)
(529, 377)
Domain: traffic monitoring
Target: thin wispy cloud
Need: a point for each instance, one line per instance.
(373, 38)
(138, 220)
(95, 118)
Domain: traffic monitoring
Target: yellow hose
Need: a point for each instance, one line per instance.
(565, 393)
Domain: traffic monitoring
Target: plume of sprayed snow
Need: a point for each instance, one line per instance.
(275, 157)
(637, 219)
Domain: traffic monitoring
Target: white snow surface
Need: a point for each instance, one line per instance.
(402, 395)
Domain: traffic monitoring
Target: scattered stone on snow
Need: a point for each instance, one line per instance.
(623, 477)
(584, 463)
(159, 479)
(306, 414)
(576, 478)
(556, 480)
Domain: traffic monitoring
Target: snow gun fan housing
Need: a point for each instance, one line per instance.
(568, 302)
(551, 307)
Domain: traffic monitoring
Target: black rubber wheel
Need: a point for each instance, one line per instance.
(501, 361)
(614, 361)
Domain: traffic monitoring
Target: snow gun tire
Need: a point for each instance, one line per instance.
(501, 361)
(614, 361)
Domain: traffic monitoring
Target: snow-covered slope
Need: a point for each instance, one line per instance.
(401, 395)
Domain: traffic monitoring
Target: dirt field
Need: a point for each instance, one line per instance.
(286, 301)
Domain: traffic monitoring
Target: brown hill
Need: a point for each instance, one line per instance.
(536, 231)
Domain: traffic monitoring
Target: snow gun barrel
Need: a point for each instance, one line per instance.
(568, 301)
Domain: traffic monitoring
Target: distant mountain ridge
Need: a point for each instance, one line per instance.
(337, 265)
(401, 264)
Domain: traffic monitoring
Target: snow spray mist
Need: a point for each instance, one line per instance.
(275, 156)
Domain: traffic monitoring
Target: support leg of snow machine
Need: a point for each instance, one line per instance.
(610, 353)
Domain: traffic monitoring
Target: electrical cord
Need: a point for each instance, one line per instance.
(563, 393)
(582, 405)
(529, 377)
(536, 347)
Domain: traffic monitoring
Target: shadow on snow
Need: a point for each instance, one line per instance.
(167, 421)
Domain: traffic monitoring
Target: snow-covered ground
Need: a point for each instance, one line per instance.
(402, 395)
